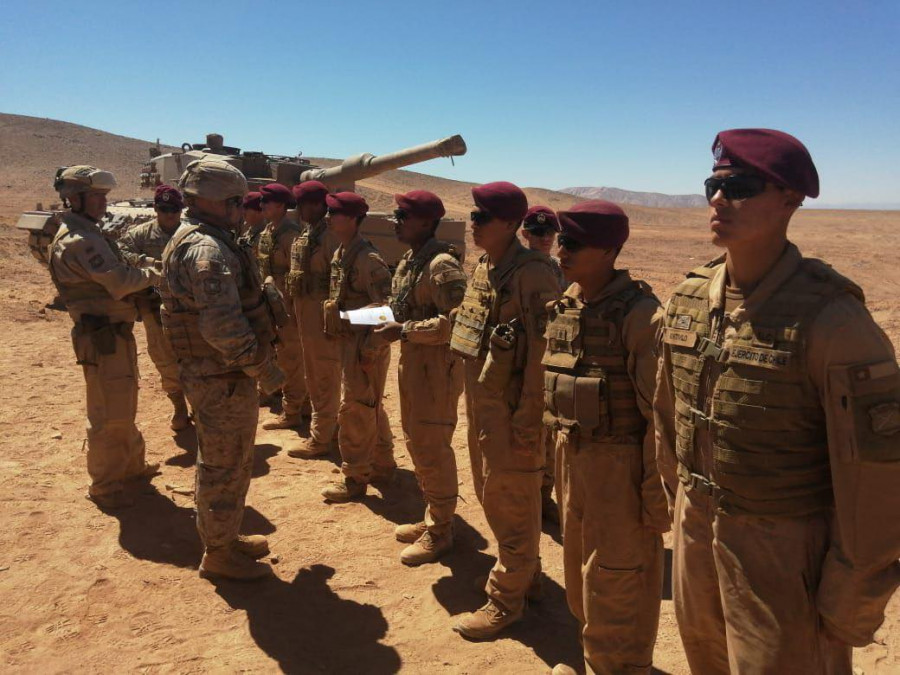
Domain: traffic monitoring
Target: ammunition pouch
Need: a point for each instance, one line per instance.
(501, 361)
(335, 326)
(294, 283)
(469, 328)
(580, 402)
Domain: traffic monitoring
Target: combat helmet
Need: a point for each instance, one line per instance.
(73, 180)
(212, 179)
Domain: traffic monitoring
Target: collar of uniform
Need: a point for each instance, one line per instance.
(211, 230)
(318, 228)
(76, 221)
(355, 243)
(781, 271)
(620, 281)
(507, 260)
(430, 248)
(280, 227)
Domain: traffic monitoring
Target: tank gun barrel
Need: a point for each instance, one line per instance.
(367, 165)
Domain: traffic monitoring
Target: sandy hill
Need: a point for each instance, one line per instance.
(655, 199)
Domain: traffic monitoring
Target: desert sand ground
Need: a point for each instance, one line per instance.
(86, 591)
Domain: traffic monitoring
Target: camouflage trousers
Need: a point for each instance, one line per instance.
(364, 438)
(226, 410)
(613, 564)
(115, 446)
(745, 591)
(507, 482)
(322, 365)
(160, 351)
(430, 379)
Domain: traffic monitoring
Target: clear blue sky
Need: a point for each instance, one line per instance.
(623, 94)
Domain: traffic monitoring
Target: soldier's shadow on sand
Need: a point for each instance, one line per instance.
(400, 500)
(548, 627)
(159, 530)
(306, 627)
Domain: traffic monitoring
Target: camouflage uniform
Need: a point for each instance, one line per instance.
(549, 479)
(95, 284)
(778, 436)
(142, 246)
(359, 277)
(219, 328)
(504, 410)
(274, 255)
(599, 384)
(307, 285)
(427, 286)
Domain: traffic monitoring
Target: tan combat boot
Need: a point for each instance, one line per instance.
(563, 669)
(347, 491)
(225, 562)
(181, 418)
(410, 532)
(485, 623)
(428, 548)
(284, 422)
(535, 592)
(308, 449)
(251, 545)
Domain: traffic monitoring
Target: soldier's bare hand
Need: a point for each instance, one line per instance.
(389, 331)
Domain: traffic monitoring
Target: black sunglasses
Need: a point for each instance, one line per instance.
(540, 231)
(400, 215)
(736, 186)
(235, 201)
(167, 209)
(480, 217)
(570, 244)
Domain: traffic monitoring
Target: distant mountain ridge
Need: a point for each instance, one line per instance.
(654, 199)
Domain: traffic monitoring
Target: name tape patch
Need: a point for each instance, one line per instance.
(773, 359)
(680, 338)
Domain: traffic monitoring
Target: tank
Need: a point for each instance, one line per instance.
(259, 168)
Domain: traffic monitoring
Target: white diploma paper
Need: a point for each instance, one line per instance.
(368, 316)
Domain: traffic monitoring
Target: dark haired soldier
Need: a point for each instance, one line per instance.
(429, 283)
(778, 432)
(600, 377)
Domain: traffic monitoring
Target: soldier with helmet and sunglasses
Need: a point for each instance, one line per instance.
(600, 377)
(142, 246)
(778, 434)
(498, 330)
(97, 286)
(219, 323)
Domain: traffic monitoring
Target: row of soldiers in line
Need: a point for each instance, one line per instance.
(757, 413)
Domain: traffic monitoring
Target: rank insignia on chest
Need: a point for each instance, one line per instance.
(682, 322)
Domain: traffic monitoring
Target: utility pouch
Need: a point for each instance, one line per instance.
(331, 315)
(101, 332)
(580, 400)
(294, 283)
(501, 359)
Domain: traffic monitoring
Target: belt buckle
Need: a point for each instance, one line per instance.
(707, 347)
(699, 420)
(701, 484)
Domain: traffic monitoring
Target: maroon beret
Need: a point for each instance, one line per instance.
(421, 203)
(310, 191)
(347, 203)
(596, 223)
(166, 195)
(775, 155)
(251, 201)
(540, 216)
(276, 192)
(502, 200)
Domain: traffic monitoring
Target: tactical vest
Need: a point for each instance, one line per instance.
(267, 243)
(587, 388)
(341, 270)
(764, 416)
(300, 279)
(181, 324)
(409, 272)
(477, 315)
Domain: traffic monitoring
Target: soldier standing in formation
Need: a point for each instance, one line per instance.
(142, 246)
(252, 226)
(274, 257)
(307, 285)
(539, 228)
(359, 277)
(599, 383)
(499, 331)
(96, 285)
(217, 321)
(778, 422)
(429, 283)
